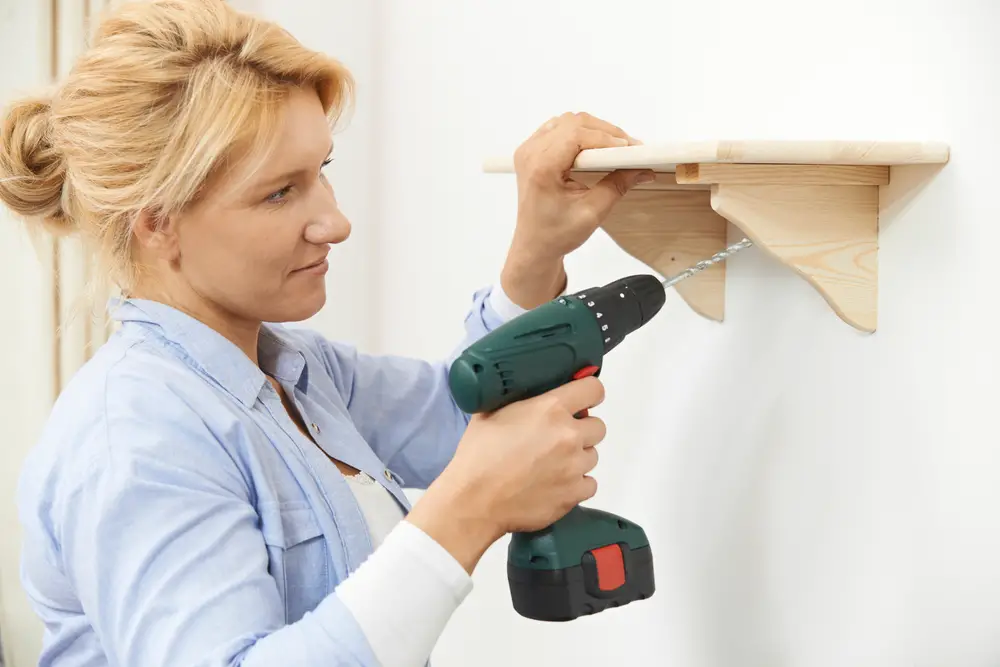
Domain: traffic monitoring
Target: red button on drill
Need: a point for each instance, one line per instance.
(610, 567)
(586, 371)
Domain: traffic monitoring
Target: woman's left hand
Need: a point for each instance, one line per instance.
(556, 215)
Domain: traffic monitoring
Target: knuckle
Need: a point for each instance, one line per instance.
(569, 437)
(563, 120)
(551, 405)
(588, 217)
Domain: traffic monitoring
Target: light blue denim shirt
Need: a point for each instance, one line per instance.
(175, 515)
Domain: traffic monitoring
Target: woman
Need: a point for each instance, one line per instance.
(213, 490)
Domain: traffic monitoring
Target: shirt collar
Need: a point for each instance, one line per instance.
(216, 355)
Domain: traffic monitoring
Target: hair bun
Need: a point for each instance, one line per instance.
(32, 171)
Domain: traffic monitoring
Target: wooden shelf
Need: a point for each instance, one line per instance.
(813, 205)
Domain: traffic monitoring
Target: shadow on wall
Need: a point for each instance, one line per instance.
(905, 183)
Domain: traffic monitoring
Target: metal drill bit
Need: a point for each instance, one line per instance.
(704, 264)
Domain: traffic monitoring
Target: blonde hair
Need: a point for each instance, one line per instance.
(168, 93)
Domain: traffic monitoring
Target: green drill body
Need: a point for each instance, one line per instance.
(588, 560)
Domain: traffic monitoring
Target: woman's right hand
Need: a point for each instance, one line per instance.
(519, 468)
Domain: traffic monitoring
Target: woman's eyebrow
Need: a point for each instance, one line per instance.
(280, 179)
(288, 175)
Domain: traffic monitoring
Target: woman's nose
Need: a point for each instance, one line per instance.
(330, 227)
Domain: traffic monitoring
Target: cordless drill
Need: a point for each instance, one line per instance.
(589, 560)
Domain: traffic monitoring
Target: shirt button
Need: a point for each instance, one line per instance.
(314, 427)
(388, 475)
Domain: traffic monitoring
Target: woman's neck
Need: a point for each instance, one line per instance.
(242, 333)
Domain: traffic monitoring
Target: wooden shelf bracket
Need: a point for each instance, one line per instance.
(813, 206)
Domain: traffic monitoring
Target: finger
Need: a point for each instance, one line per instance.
(594, 133)
(586, 488)
(530, 146)
(588, 460)
(580, 394)
(596, 123)
(552, 123)
(584, 138)
(599, 124)
(546, 127)
(609, 190)
(557, 151)
(593, 430)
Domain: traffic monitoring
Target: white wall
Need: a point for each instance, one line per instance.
(813, 496)
(25, 337)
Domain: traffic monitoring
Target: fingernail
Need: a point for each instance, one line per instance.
(621, 142)
(645, 178)
(634, 141)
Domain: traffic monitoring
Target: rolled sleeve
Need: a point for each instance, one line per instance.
(502, 306)
(425, 584)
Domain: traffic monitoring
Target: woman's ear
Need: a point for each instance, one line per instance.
(157, 234)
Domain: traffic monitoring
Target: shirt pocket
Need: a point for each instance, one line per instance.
(298, 556)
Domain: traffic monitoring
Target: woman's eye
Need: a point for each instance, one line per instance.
(327, 161)
(279, 195)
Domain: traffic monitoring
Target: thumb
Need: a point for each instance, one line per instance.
(606, 192)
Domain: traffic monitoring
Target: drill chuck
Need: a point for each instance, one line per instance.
(623, 306)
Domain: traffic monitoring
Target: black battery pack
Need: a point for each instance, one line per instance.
(611, 576)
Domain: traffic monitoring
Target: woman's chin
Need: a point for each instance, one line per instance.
(295, 308)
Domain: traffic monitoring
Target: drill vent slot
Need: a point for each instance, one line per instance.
(506, 376)
(547, 332)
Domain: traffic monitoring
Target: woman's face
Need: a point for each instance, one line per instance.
(258, 251)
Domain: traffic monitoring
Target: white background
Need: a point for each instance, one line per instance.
(814, 497)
